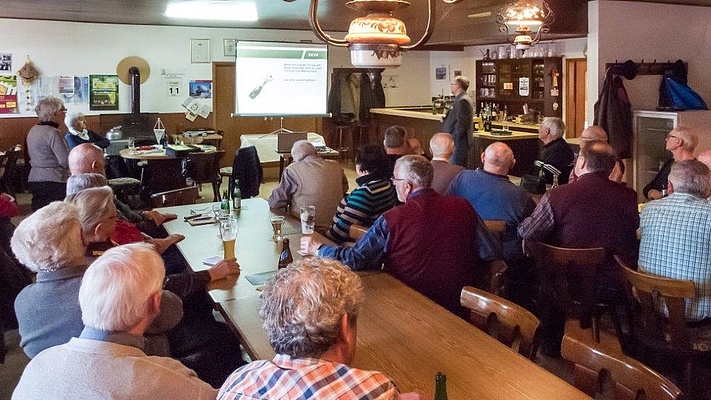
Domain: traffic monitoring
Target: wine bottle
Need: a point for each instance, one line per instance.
(236, 196)
(440, 386)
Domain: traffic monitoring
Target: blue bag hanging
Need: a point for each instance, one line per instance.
(681, 96)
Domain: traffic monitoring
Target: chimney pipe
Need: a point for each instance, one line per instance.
(135, 76)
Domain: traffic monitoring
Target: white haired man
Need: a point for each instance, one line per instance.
(442, 147)
(556, 150)
(676, 236)
(119, 297)
(310, 181)
(681, 142)
(433, 243)
(314, 339)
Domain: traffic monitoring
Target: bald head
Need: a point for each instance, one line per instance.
(86, 158)
(302, 149)
(442, 145)
(592, 133)
(498, 158)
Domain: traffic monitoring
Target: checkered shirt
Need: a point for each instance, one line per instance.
(305, 378)
(676, 243)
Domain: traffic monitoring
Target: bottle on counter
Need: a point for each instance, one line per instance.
(236, 197)
(285, 258)
(440, 386)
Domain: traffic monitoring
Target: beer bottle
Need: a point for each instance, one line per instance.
(285, 258)
(236, 196)
(225, 204)
(440, 386)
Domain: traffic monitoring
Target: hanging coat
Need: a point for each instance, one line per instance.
(613, 113)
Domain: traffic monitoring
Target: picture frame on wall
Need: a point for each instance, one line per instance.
(199, 51)
(228, 47)
(440, 73)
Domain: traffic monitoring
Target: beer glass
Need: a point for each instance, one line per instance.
(277, 222)
(228, 233)
(308, 217)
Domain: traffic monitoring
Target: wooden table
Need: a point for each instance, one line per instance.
(400, 332)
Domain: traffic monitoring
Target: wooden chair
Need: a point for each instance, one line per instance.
(632, 379)
(508, 322)
(569, 277)
(205, 168)
(176, 197)
(667, 337)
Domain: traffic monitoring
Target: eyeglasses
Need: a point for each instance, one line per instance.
(675, 137)
(393, 180)
(63, 109)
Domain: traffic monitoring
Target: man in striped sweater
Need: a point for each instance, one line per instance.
(374, 195)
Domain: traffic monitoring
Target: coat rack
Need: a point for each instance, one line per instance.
(645, 68)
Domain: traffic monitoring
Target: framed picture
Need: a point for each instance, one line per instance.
(228, 47)
(440, 73)
(199, 50)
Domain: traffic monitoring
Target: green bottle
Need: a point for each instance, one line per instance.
(236, 196)
(225, 204)
(440, 386)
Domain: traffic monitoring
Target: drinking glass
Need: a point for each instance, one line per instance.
(228, 233)
(277, 222)
(308, 217)
(131, 145)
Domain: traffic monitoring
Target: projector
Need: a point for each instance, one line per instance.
(197, 133)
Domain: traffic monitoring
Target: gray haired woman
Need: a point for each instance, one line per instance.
(48, 154)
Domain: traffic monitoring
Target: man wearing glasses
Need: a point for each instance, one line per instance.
(459, 120)
(681, 142)
(432, 243)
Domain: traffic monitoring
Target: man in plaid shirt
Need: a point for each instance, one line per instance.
(676, 234)
(310, 311)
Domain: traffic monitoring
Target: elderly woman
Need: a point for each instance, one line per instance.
(374, 195)
(48, 154)
(50, 242)
(78, 133)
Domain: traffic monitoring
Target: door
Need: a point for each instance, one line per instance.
(576, 82)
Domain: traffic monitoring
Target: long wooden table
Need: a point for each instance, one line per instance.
(400, 332)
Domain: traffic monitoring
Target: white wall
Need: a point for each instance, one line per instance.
(647, 31)
(66, 48)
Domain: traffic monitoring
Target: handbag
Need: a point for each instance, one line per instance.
(535, 182)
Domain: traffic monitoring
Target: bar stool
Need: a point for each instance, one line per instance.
(358, 133)
(341, 148)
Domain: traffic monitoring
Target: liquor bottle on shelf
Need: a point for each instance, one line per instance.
(285, 258)
(440, 386)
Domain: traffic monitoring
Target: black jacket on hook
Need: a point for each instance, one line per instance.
(613, 113)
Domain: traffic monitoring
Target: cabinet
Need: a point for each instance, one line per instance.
(515, 82)
(650, 132)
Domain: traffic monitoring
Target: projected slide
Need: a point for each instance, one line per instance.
(280, 79)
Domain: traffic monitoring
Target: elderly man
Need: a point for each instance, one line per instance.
(459, 120)
(314, 338)
(442, 147)
(594, 133)
(432, 243)
(493, 196)
(310, 181)
(556, 150)
(676, 234)
(119, 297)
(50, 242)
(593, 212)
(681, 142)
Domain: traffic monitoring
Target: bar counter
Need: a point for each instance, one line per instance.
(422, 124)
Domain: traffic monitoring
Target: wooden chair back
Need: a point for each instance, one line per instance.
(508, 322)
(176, 197)
(205, 168)
(652, 325)
(569, 277)
(632, 379)
(357, 231)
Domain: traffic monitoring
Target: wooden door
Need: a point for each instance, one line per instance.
(576, 105)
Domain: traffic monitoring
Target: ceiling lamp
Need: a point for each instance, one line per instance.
(527, 20)
(377, 39)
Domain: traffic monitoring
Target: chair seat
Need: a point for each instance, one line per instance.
(226, 171)
(124, 183)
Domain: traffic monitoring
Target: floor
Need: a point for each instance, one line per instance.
(16, 360)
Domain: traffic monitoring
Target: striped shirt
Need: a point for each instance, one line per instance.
(676, 243)
(362, 207)
(305, 378)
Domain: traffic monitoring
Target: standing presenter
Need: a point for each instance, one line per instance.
(459, 120)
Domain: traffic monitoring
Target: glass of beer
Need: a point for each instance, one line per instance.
(277, 222)
(308, 218)
(228, 233)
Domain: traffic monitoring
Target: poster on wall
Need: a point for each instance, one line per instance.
(74, 89)
(5, 62)
(8, 94)
(200, 89)
(103, 92)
